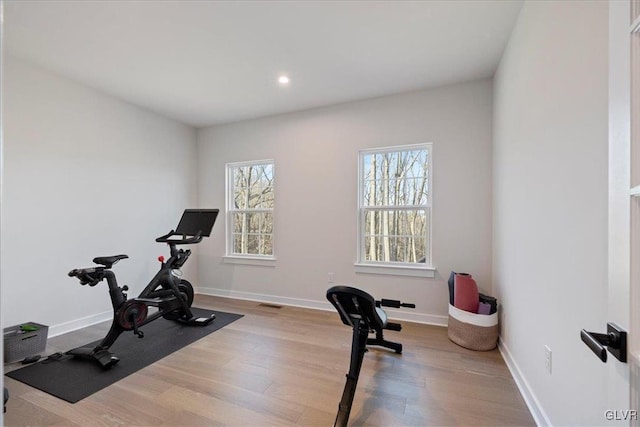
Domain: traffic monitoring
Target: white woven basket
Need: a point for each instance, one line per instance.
(473, 331)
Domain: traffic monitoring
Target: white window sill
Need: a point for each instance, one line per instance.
(396, 270)
(249, 260)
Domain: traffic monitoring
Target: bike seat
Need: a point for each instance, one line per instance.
(108, 261)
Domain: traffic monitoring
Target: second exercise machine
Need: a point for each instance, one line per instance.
(167, 292)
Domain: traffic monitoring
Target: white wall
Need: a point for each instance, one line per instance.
(85, 175)
(316, 154)
(550, 204)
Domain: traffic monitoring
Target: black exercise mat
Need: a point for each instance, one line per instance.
(73, 379)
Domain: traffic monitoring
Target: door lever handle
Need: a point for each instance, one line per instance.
(615, 341)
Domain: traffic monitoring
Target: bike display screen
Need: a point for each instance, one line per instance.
(197, 220)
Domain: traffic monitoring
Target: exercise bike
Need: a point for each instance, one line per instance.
(167, 292)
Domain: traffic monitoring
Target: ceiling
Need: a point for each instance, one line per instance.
(211, 62)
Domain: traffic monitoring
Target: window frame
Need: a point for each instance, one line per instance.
(425, 269)
(239, 258)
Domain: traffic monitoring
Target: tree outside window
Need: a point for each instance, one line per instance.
(395, 205)
(250, 208)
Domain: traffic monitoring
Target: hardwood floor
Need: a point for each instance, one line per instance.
(287, 366)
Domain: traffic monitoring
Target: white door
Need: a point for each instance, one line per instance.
(623, 305)
(633, 34)
(623, 380)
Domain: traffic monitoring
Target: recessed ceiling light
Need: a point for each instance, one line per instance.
(283, 80)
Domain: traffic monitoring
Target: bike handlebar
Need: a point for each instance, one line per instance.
(394, 303)
(182, 241)
(87, 276)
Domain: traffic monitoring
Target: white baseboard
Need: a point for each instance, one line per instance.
(406, 315)
(539, 416)
(74, 325)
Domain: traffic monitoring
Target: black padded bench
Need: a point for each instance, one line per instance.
(364, 315)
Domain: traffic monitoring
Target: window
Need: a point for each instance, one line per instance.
(250, 202)
(395, 206)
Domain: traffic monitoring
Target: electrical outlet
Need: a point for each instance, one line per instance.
(331, 278)
(547, 359)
